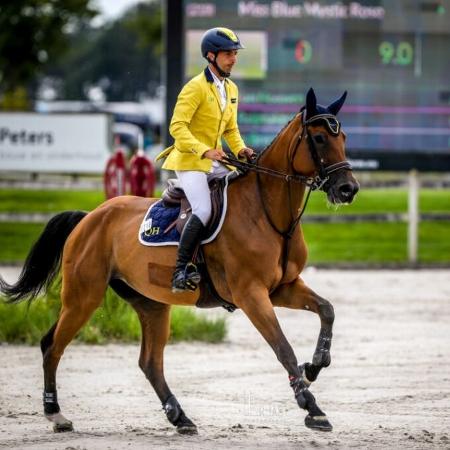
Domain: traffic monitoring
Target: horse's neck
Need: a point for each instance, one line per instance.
(282, 200)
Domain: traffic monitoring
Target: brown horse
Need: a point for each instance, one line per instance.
(254, 262)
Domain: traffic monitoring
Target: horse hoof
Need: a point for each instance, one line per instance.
(63, 427)
(60, 423)
(322, 359)
(319, 423)
(187, 429)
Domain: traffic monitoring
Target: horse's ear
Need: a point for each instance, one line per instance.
(336, 106)
(311, 104)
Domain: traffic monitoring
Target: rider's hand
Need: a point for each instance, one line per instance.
(246, 153)
(215, 154)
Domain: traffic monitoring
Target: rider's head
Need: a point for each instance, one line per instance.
(217, 40)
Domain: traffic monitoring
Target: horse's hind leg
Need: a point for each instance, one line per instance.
(51, 407)
(155, 323)
(78, 304)
(297, 295)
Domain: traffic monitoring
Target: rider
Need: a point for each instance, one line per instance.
(206, 111)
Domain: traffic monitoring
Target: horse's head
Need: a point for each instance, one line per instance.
(322, 150)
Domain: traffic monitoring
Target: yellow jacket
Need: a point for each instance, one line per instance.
(198, 124)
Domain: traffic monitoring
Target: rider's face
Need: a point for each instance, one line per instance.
(227, 59)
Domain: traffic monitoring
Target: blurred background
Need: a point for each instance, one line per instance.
(86, 86)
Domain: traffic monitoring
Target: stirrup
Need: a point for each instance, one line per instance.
(187, 279)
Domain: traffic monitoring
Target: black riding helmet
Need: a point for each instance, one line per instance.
(219, 39)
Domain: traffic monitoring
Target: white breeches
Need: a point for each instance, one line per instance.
(195, 185)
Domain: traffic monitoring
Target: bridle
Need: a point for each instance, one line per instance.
(318, 182)
(334, 128)
(323, 172)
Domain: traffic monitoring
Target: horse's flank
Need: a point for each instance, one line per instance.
(106, 242)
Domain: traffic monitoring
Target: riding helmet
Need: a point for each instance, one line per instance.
(219, 39)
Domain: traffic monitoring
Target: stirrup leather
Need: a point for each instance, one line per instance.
(186, 279)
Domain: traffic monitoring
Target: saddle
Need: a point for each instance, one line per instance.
(174, 196)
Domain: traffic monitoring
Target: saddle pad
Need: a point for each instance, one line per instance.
(152, 231)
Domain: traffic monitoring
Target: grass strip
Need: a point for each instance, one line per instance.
(367, 201)
(382, 201)
(434, 242)
(358, 242)
(45, 201)
(115, 320)
(16, 240)
(361, 242)
(369, 242)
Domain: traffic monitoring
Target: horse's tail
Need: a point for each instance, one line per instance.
(43, 261)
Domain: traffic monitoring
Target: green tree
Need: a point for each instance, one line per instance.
(33, 33)
(122, 57)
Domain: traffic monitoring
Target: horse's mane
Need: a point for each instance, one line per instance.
(275, 138)
(267, 148)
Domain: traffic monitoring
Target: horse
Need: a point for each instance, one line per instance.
(262, 224)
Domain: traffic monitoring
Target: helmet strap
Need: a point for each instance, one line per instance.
(214, 63)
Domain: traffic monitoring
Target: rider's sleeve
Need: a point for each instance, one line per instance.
(188, 101)
(231, 133)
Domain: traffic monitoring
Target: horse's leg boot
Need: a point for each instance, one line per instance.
(177, 417)
(186, 275)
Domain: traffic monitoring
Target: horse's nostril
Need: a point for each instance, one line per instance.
(346, 190)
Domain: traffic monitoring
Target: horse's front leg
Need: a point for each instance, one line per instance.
(257, 305)
(297, 295)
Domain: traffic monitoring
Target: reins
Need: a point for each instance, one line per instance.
(254, 167)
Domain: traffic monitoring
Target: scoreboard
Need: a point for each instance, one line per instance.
(393, 58)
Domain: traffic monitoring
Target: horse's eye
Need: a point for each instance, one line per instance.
(320, 139)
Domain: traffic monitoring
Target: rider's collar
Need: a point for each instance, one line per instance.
(217, 80)
(209, 75)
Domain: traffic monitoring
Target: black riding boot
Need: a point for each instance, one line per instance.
(186, 276)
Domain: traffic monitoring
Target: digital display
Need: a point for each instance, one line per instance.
(393, 58)
(252, 67)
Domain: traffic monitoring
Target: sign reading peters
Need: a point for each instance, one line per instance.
(63, 143)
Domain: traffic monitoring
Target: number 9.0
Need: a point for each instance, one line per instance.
(401, 54)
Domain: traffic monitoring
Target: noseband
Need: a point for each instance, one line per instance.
(323, 172)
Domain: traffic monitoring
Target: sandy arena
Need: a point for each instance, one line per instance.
(388, 385)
